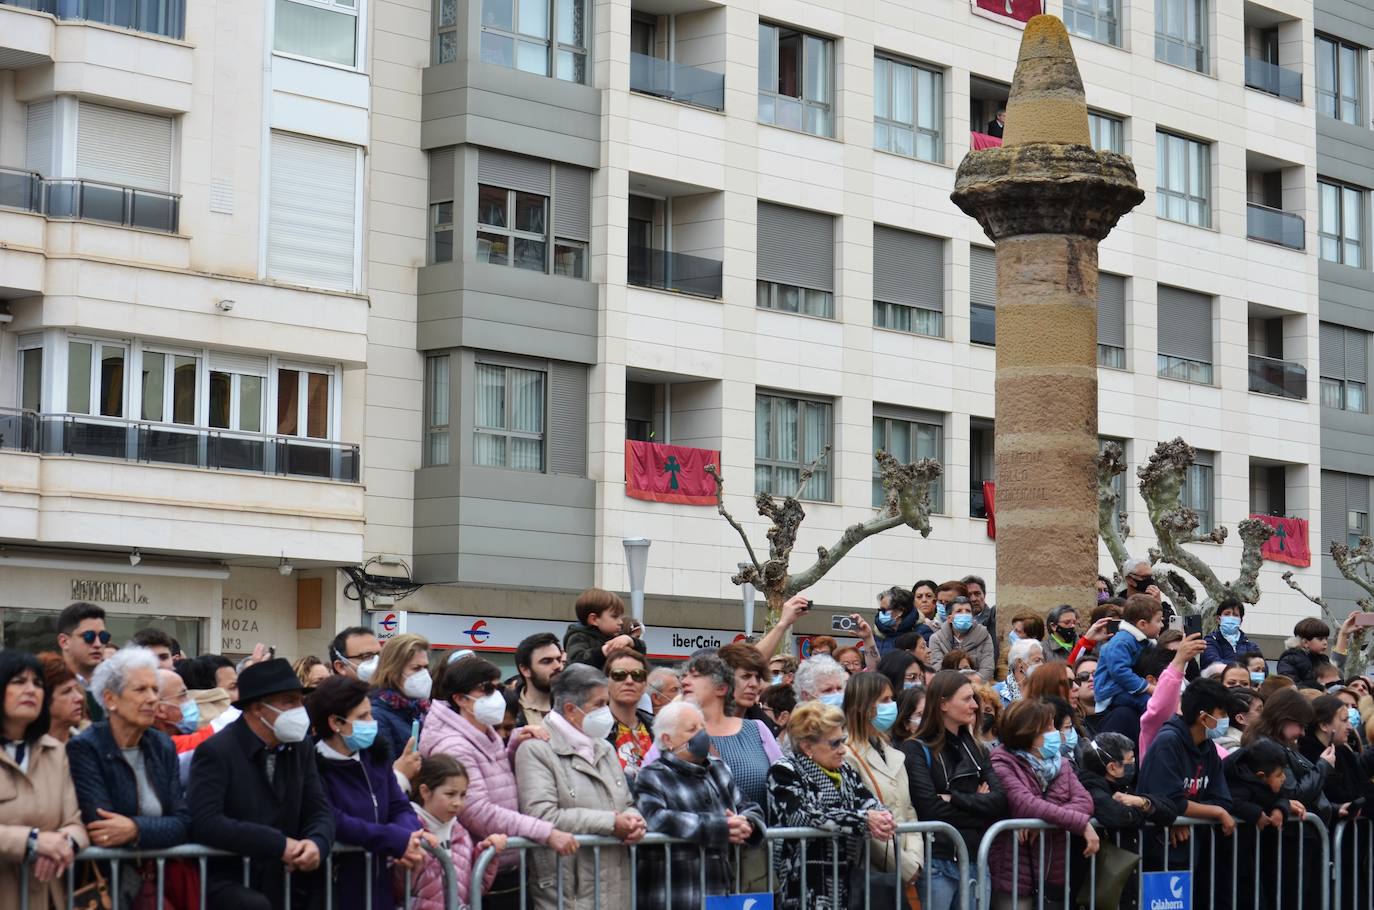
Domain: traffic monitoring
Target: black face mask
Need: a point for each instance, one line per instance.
(988, 722)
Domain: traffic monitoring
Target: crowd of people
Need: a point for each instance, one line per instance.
(394, 750)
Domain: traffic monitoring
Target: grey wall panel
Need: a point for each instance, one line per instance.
(1352, 20)
(503, 108)
(1346, 295)
(477, 305)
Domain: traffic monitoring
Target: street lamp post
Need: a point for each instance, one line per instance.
(747, 592)
(637, 563)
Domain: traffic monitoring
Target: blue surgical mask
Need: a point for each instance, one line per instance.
(1013, 638)
(363, 735)
(962, 622)
(835, 699)
(1050, 748)
(910, 684)
(1229, 625)
(1221, 729)
(884, 616)
(1070, 742)
(777, 679)
(940, 611)
(190, 716)
(885, 715)
(1256, 677)
(1354, 715)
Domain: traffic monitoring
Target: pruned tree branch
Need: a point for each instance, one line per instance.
(1353, 564)
(906, 501)
(1161, 486)
(1111, 463)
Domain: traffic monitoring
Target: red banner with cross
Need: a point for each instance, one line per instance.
(1016, 10)
(1289, 543)
(663, 473)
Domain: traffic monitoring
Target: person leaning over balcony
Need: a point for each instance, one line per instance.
(256, 790)
(126, 773)
(40, 821)
(573, 781)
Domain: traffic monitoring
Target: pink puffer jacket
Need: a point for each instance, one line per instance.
(1065, 804)
(427, 886)
(492, 804)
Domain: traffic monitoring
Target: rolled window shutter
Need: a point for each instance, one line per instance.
(1185, 324)
(1332, 342)
(312, 212)
(514, 172)
(572, 202)
(908, 268)
(567, 428)
(1356, 493)
(1333, 509)
(796, 246)
(1204, 458)
(982, 276)
(1111, 310)
(224, 362)
(129, 148)
(38, 138)
(442, 163)
(1356, 355)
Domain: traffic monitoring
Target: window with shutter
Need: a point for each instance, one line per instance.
(982, 295)
(1356, 508)
(527, 207)
(1198, 490)
(312, 227)
(796, 260)
(127, 148)
(1344, 367)
(1184, 335)
(1111, 321)
(442, 166)
(568, 419)
(908, 435)
(908, 282)
(38, 137)
(572, 219)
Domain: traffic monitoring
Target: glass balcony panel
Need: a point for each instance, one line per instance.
(667, 271)
(1275, 226)
(1270, 376)
(1274, 79)
(166, 445)
(20, 189)
(677, 82)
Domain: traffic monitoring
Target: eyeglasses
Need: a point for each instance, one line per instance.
(622, 675)
(89, 637)
(487, 688)
(1083, 678)
(837, 742)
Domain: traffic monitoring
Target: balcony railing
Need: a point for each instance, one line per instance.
(160, 17)
(1275, 226)
(1274, 79)
(1270, 376)
(20, 189)
(160, 443)
(677, 82)
(89, 200)
(666, 271)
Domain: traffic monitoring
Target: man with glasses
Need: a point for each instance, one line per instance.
(631, 736)
(354, 652)
(538, 659)
(81, 637)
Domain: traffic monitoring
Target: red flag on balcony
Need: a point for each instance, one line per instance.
(1289, 543)
(989, 495)
(1016, 10)
(662, 473)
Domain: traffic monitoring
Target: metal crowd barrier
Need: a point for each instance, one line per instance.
(1352, 889)
(1153, 853)
(116, 858)
(835, 841)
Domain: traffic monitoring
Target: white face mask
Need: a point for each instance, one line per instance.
(418, 684)
(490, 709)
(599, 723)
(368, 667)
(291, 725)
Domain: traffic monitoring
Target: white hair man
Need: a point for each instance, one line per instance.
(1022, 658)
(689, 793)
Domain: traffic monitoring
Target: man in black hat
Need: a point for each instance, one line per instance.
(255, 790)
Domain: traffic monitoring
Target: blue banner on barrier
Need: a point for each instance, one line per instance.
(1167, 891)
(740, 902)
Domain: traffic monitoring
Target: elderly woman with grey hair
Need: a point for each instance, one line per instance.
(822, 679)
(574, 781)
(1022, 658)
(125, 771)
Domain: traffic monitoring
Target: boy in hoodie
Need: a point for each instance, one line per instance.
(597, 631)
(1116, 682)
(1308, 651)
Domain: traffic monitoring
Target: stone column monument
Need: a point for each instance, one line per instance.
(1046, 198)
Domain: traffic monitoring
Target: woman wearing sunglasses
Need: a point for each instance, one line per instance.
(632, 734)
(466, 707)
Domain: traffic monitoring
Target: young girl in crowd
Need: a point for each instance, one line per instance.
(442, 788)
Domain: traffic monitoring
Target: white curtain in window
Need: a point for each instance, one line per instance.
(315, 31)
(815, 435)
(527, 416)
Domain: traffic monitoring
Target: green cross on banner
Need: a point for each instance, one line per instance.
(672, 467)
(1282, 534)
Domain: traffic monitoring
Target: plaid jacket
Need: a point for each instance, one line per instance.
(689, 801)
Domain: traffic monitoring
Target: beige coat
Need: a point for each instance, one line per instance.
(45, 799)
(885, 775)
(578, 797)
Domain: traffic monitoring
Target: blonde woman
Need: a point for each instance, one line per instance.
(400, 700)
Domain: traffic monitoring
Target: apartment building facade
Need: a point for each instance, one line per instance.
(574, 224)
